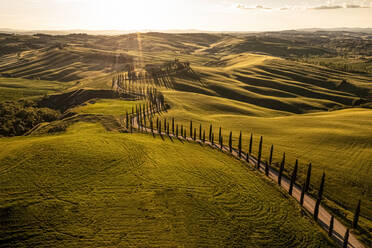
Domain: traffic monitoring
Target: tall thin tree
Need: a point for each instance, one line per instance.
(320, 195)
(200, 132)
(131, 124)
(151, 126)
(159, 130)
(259, 153)
(293, 178)
(250, 144)
(191, 129)
(240, 145)
(219, 135)
(230, 142)
(281, 169)
(346, 239)
(126, 120)
(356, 215)
(173, 125)
(331, 225)
(210, 133)
(271, 154)
(203, 136)
(308, 177)
(302, 197)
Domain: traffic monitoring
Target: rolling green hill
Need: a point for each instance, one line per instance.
(19, 88)
(290, 87)
(90, 187)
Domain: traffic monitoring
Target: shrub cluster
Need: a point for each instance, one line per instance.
(16, 118)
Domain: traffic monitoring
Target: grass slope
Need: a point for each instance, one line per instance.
(337, 142)
(16, 88)
(90, 187)
(113, 107)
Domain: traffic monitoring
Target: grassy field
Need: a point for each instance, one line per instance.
(337, 142)
(261, 95)
(115, 107)
(241, 82)
(17, 88)
(90, 187)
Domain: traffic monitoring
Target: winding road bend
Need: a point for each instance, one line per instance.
(324, 217)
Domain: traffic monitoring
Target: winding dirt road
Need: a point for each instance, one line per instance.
(309, 202)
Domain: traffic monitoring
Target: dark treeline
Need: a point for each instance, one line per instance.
(18, 117)
(131, 80)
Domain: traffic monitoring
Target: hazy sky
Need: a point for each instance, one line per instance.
(233, 15)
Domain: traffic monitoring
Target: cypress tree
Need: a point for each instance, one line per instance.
(126, 120)
(194, 134)
(221, 142)
(212, 139)
(250, 144)
(230, 142)
(131, 125)
(271, 154)
(200, 132)
(356, 215)
(168, 132)
(181, 130)
(267, 169)
(151, 126)
(173, 125)
(220, 135)
(302, 195)
(191, 129)
(259, 154)
(320, 195)
(177, 130)
(281, 170)
(331, 224)
(240, 144)
(293, 178)
(346, 239)
(308, 176)
(203, 136)
(210, 133)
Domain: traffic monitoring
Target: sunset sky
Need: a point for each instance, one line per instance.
(214, 15)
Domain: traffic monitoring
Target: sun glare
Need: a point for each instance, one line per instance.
(116, 14)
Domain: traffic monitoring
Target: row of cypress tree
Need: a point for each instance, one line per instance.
(305, 186)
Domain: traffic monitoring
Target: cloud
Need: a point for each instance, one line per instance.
(259, 7)
(345, 6)
(327, 7)
(330, 5)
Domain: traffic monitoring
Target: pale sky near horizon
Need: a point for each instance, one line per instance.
(214, 15)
